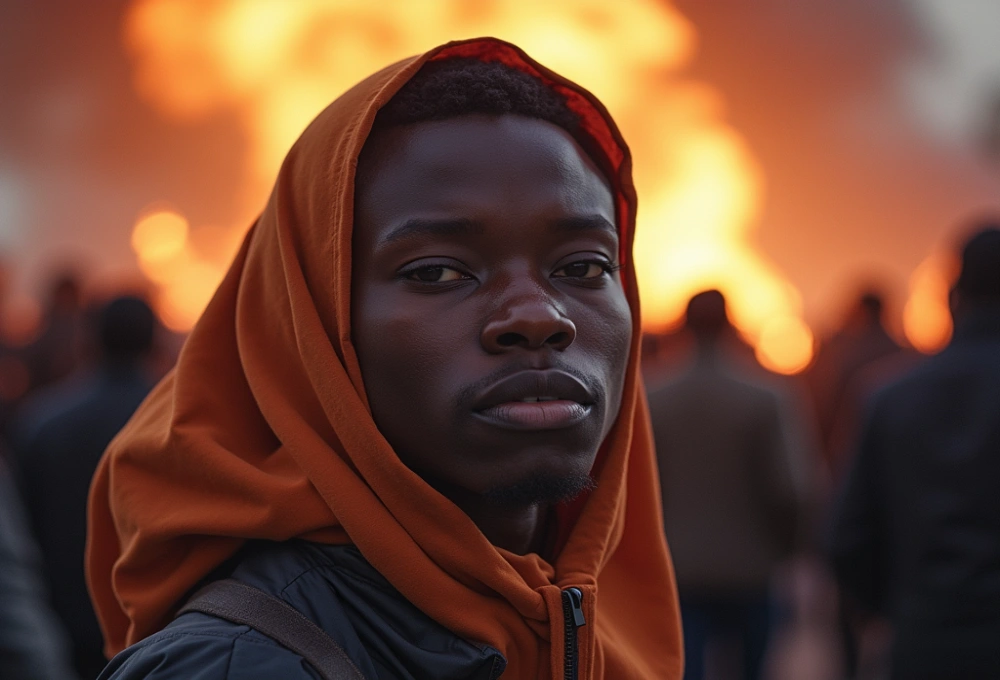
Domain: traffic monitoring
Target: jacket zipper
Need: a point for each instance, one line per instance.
(572, 601)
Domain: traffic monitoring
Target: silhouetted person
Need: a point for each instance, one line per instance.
(732, 478)
(861, 340)
(14, 376)
(53, 355)
(859, 357)
(32, 646)
(917, 529)
(66, 431)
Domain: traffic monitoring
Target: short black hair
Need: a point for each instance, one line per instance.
(450, 88)
(871, 304)
(706, 313)
(125, 328)
(979, 280)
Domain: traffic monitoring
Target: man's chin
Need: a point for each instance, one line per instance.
(540, 489)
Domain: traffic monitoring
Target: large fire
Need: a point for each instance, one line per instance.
(277, 63)
(926, 317)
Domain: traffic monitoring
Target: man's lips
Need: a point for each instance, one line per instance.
(536, 400)
(542, 415)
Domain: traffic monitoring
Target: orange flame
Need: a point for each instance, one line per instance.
(926, 316)
(186, 280)
(277, 63)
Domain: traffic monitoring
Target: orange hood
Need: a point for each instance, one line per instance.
(263, 431)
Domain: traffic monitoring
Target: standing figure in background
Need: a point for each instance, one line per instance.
(861, 340)
(54, 354)
(14, 377)
(732, 475)
(64, 434)
(916, 533)
(858, 358)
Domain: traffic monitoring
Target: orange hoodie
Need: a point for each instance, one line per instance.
(263, 431)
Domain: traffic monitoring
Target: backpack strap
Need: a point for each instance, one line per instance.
(240, 603)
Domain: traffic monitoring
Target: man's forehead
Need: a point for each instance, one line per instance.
(447, 227)
(456, 148)
(451, 178)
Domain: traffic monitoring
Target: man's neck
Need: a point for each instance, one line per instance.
(519, 530)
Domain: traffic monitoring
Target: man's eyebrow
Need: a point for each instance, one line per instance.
(586, 223)
(420, 226)
(459, 225)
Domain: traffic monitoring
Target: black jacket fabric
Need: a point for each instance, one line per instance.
(32, 645)
(336, 588)
(917, 531)
(63, 434)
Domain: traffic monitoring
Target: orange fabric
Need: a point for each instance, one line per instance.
(262, 431)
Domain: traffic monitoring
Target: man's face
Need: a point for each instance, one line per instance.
(491, 327)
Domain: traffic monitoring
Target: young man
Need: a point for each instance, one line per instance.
(422, 366)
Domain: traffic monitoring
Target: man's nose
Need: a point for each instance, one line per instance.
(528, 322)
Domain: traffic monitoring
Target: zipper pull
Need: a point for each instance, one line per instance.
(572, 601)
(575, 601)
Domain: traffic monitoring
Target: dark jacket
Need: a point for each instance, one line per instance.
(65, 430)
(917, 530)
(336, 588)
(32, 646)
(732, 475)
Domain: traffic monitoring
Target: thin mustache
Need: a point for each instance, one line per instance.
(471, 392)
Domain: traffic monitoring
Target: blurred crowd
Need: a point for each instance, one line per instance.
(841, 523)
(64, 396)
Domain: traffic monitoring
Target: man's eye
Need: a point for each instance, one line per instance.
(583, 270)
(435, 274)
